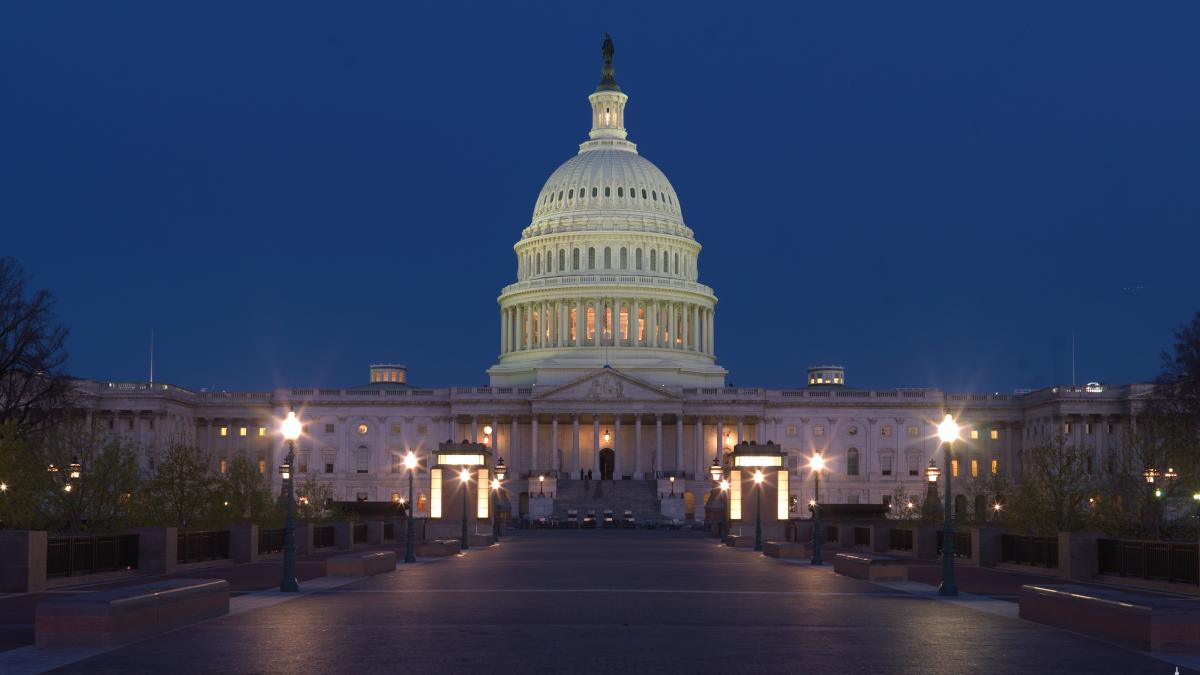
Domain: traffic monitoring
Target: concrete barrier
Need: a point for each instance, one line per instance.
(22, 561)
(481, 539)
(120, 615)
(158, 549)
(243, 542)
(870, 567)
(438, 548)
(361, 564)
(739, 541)
(1146, 622)
(786, 550)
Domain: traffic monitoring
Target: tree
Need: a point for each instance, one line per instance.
(24, 483)
(247, 496)
(314, 500)
(1054, 490)
(182, 492)
(33, 387)
(1179, 382)
(904, 505)
(100, 500)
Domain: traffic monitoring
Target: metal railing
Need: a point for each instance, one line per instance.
(1153, 560)
(1033, 551)
(862, 536)
(322, 536)
(72, 556)
(389, 530)
(202, 545)
(270, 541)
(900, 539)
(360, 533)
(962, 544)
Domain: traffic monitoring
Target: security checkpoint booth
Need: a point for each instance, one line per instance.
(461, 494)
(758, 479)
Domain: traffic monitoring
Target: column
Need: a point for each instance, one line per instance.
(637, 446)
(474, 429)
(576, 465)
(503, 331)
(672, 329)
(543, 315)
(701, 465)
(617, 447)
(720, 437)
(633, 324)
(533, 445)
(596, 321)
(554, 460)
(528, 309)
(712, 332)
(741, 429)
(658, 445)
(679, 443)
(687, 327)
(513, 438)
(758, 430)
(578, 323)
(563, 331)
(595, 464)
(651, 327)
(495, 436)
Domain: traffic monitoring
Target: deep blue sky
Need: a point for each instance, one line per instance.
(933, 194)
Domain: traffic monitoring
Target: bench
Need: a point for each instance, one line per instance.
(112, 617)
(870, 567)
(739, 541)
(787, 550)
(361, 564)
(438, 548)
(1147, 622)
(628, 520)
(609, 521)
(590, 519)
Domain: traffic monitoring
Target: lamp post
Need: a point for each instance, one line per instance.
(717, 473)
(758, 479)
(496, 484)
(725, 518)
(290, 429)
(465, 477)
(542, 486)
(672, 479)
(410, 463)
(816, 464)
(948, 432)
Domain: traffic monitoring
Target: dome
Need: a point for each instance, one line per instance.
(616, 181)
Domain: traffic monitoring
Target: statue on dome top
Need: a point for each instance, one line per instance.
(608, 79)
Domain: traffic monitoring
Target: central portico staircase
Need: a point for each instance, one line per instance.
(617, 496)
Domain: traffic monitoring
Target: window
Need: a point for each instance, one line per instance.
(422, 429)
(422, 502)
(361, 496)
(995, 467)
(1110, 428)
(912, 432)
(397, 462)
(852, 499)
(224, 431)
(995, 434)
(852, 462)
(362, 429)
(607, 191)
(537, 266)
(676, 263)
(593, 192)
(396, 429)
(262, 466)
(974, 434)
(328, 467)
(620, 192)
(914, 462)
(819, 430)
(653, 260)
(224, 465)
(1067, 428)
(954, 468)
(653, 195)
(395, 497)
(1087, 428)
(887, 501)
(633, 192)
(329, 428)
(624, 258)
(262, 431)
(575, 259)
(571, 193)
(560, 195)
(362, 459)
(591, 258)
(885, 464)
(791, 430)
(885, 431)
(607, 258)
(637, 259)
(241, 431)
(302, 463)
(643, 193)
(974, 468)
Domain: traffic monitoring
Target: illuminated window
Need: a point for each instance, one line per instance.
(224, 465)
(262, 431)
(912, 432)
(885, 431)
(735, 495)
(974, 468)
(422, 502)
(362, 428)
(590, 332)
(791, 430)
(224, 431)
(482, 494)
(954, 468)
(262, 466)
(241, 431)
(435, 493)
(395, 497)
(974, 433)
(624, 324)
(995, 434)
(396, 429)
(1087, 428)
(995, 467)
(782, 494)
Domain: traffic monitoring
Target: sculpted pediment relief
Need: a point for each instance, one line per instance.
(606, 385)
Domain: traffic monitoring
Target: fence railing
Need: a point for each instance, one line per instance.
(72, 556)
(900, 540)
(270, 541)
(360, 533)
(962, 543)
(322, 536)
(862, 536)
(1034, 551)
(389, 530)
(1154, 560)
(202, 545)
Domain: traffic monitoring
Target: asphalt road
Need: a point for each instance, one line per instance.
(617, 602)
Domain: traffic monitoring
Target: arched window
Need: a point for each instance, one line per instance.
(562, 259)
(676, 263)
(653, 260)
(560, 195)
(571, 193)
(607, 191)
(653, 195)
(666, 262)
(607, 258)
(591, 258)
(624, 258)
(549, 261)
(643, 193)
(593, 192)
(538, 265)
(620, 192)
(852, 462)
(637, 258)
(633, 192)
(575, 259)
(960, 506)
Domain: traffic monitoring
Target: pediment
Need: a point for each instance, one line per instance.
(607, 384)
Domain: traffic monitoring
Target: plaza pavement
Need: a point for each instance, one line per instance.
(615, 602)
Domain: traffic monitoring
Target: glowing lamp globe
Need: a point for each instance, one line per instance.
(817, 463)
(410, 461)
(290, 428)
(948, 429)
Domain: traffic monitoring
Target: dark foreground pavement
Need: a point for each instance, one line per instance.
(616, 602)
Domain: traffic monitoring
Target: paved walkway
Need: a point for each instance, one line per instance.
(619, 601)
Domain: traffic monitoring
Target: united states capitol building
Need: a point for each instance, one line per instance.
(608, 364)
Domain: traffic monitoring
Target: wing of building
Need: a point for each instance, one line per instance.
(608, 368)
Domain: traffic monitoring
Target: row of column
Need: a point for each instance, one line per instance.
(616, 322)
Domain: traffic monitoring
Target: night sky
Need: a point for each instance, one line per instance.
(932, 194)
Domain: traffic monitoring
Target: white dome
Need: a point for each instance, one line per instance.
(615, 181)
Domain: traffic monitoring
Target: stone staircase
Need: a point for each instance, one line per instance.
(617, 496)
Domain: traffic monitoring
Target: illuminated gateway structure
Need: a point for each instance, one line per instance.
(608, 365)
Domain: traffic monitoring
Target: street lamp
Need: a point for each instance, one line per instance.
(816, 464)
(725, 517)
(542, 486)
(465, 478)
(716, 472)
(758, 479)
(948, 433)
(672, 479)
(410, 463)
(496, 483)
(290, 429)
(487, 435)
